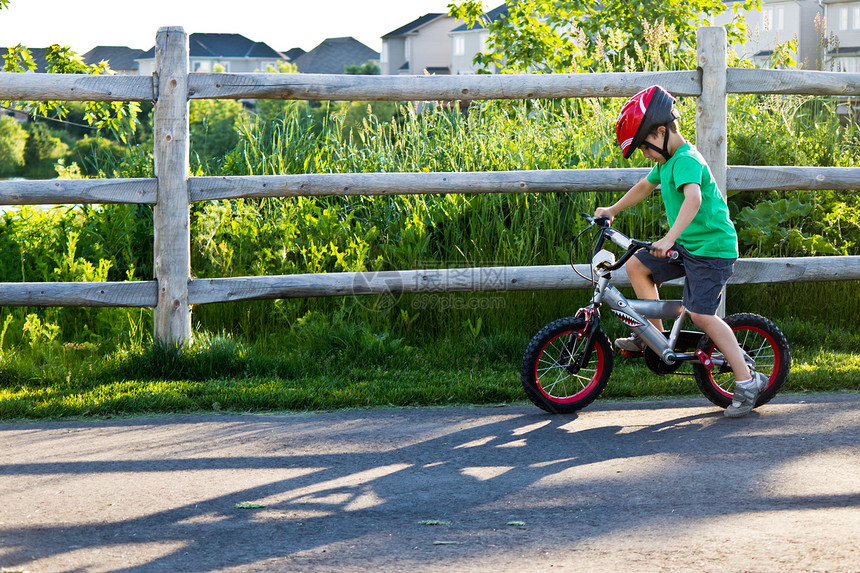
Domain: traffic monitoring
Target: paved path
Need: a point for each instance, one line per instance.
(638, 486)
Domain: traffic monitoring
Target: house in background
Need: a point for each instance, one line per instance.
(121, 59)
(843, 20)
(334, 54)
(777, 22)
(230, 52)
(293, 53)
(421, 45)
(466, 41)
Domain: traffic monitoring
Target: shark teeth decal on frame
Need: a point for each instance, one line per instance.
(626, 318)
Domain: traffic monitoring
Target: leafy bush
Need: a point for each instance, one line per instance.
(12, 141)
(775, 228)
(42, 151)
(213, 129)
(95, 155)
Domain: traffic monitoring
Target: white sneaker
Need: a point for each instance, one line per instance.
(631, 343)
(744, 398)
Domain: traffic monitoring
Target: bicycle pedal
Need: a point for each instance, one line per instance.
(630, 354)
(705, 359)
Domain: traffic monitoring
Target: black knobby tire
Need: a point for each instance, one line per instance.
(548, 374)
(764, 342)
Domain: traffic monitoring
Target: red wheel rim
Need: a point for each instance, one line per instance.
(585, 388)
(771, 343)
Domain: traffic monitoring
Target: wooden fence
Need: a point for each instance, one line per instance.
(171, 191)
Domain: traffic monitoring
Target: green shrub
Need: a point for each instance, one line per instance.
(13, 138)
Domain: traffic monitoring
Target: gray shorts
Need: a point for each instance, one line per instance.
(706, 276)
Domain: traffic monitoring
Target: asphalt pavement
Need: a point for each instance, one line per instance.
(623, 486)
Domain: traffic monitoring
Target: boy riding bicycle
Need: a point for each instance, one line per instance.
(700, 230)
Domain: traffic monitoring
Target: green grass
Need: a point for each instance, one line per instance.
(351, 368)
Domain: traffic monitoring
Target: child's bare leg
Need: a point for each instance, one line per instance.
(721, 334)
(643, 285)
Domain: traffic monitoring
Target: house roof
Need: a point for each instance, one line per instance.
(38, 57)
(293, 53)
(333, 55)
(204, 45)
(118, 57)
(488, 17)
(412, 26)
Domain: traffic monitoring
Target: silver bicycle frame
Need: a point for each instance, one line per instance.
(635, 314)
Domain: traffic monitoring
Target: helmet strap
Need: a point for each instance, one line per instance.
(665, 150)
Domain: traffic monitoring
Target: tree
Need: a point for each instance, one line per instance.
(119, 118)
(571, 35)
(42, 151)
(368, 69)
(12, 141)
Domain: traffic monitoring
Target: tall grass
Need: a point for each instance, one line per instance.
(333, 234)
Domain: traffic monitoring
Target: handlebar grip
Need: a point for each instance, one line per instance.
(671, 254)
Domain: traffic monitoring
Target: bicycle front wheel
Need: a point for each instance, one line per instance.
(551, 373)
(764, 342)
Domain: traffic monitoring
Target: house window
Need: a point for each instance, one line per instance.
(202, 66)
(850, 65)
(843, 18)
(780, 18)
(856, 14)
(459, 45)
(774, 18)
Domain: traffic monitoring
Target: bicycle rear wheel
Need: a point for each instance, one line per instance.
(764, 342)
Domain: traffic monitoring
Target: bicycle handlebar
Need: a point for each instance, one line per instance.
(622, 240)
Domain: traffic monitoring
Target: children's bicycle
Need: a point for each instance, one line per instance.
(569, 361)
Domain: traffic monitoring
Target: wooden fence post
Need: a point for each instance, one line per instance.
(172, 247)
(712, 108)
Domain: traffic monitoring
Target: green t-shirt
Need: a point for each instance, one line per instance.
(711, 232)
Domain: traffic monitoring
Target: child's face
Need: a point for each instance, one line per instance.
(654, 138)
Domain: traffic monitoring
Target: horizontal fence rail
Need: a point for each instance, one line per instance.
(74, 191)
(492, 279)
(428, 281)
(144, 190)
(76, 87)
(740, 178)
(338, 87)
(126, 294)
(795, 82)
(341, 87)
(171, 191)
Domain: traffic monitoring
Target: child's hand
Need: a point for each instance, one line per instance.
(604, 212)
(660, 248)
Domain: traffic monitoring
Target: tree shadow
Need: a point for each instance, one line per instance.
(376, 487)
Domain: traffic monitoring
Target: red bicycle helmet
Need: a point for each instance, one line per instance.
(643, 113)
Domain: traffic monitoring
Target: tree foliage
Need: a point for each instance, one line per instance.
(368, 69)
(12, 141)
(114, 117)
(118, 118)
(573, 35)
